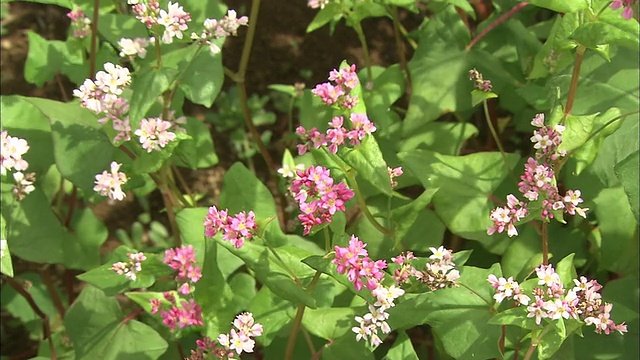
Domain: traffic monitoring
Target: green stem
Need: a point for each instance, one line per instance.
(158, 52)
(544, 234)
(400, 46)
(575, 76)
(169, 203)
(327, 239)
(365, 50)
(176, 82)
(495, 136)
(283, 264)
(363, 205)
(297, 322)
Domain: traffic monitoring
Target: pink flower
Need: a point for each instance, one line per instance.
(627, 13)
(134, 47)
(11, 153)
(154, 134)
(80, 23)
(235, 229)
(183, 259)
(109, 184)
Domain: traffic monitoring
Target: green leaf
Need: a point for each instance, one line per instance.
(566, 270)
(147, 87)
(62, 3)
(602, 126)
(199, 151)
(6, 266)
(82, 250)
(268, 308)
(627, 172)
(369, 164)
(465, 183)
(99, 330)
(329, 323)
(608, 28)
(577, 132)
(324, 265)
(114, 27)
(81, 149)
(445, 138)
(478, 96)
(331, 12)
(402, 349)
(516, 316)
(405, 216)
(561, 6)
(202, 77)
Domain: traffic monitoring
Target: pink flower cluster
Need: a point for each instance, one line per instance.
(131, 268)
(438, 273)
(103, 97)
(354, 260)
(478, 81)
(183, 259)
(134, 47)
(345, 79)
(154, 134)
(318, 197)
(552, 301)
(538, 184)
(394, 173)
(110, 184)
(214, 29)
(627, 12)
(315, 4)
(12, 149)
(188, 313)
(174, 19)
(80, 23)
(228, 346)
(337, 134)
(236, 229)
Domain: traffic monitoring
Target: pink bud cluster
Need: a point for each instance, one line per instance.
(538, 184)
(131, 268)
(80, 23)
(183, 259)
(337, 134)
(23, 184)
(552, 301)
(104, 97)
(174, 19)
(354, 260)
(12, 149)
(318, 197)
(627, 6)
(110, 184)
(179, 314)
(134, 47)
(438, 273)
(154, 134)
(394, 173)
(236, 229)
(214, 29)
(478, 81)
(315, 4)
(237, 341)
(345, 79)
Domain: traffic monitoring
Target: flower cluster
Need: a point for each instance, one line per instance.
(234, 343)
(438, 273)
(236, 229)
(627, 12)
(287, 172)
(538, 184)
(131, 268)
(23, 184)
(317, 4)
(214, 29)
(318, 197)
(154, 134)
(346, 79)
(80, 23)
(354, 260)
(337, 134)
(187, 313)
(478, 81)
(110, 184)
(552, 301)
(174, 19)
(394, 173)
(134, 47)
(183, 260)
(11, 155)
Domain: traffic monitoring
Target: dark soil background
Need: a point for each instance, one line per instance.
(282, 54)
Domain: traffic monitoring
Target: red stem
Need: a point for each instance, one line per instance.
(498, 21)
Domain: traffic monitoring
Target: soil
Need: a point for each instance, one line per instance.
(282, 54)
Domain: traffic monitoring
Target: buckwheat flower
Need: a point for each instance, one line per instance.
(80, 23)
(188, 314)
(507, 289)
(134, 47)
(506, 217)
(154, 134)
(23, 184)
(479, 82)
(385, 296)
(315, 4)
(246, 324)
(536, 310)
(183, 259)
(538, 120)
(131, 268)
(236, 229)
(174, 20)
(547, 275)
(394, 173)
(287, 172)
(109, 184)
(11, 153)
(147, 13)
(627, 12)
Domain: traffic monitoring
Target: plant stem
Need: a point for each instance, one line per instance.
(297, 322)
(55, 297)
(530, 351)
(158, 53)
(327, 239)
(574, 81)
(363, 205)
(240, 80)
(169, 203)
(365, 50)
(282, 263)
(94, 38)
(494, 24)
(46, 327)
(400, 48)
(545, 242)
(494, 133)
